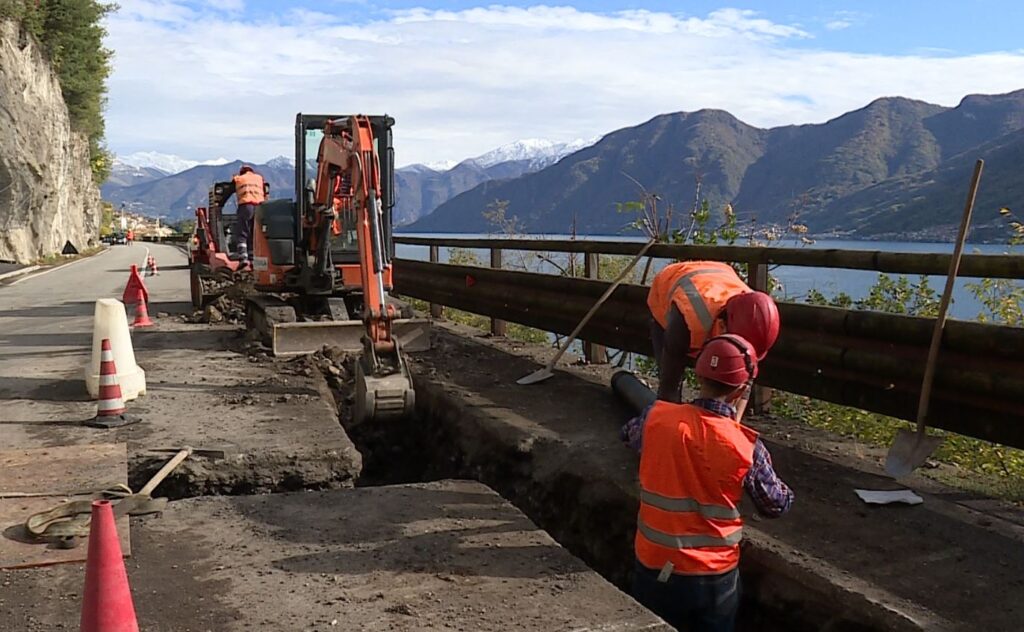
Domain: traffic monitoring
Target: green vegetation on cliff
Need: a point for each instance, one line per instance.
(71, 34)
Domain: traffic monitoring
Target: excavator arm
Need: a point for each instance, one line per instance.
(348, 180)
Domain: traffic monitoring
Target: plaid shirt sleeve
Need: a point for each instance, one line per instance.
(632, 433)
(771, 496)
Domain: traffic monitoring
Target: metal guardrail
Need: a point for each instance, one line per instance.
(173, 239)
(972, 265)
(869, 360)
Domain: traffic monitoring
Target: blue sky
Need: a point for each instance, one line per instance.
(866, 26)
(224, 78)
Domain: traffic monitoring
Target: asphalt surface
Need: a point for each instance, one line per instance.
(46, 327)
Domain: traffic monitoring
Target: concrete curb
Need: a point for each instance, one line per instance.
(41, 270)
(16, 273)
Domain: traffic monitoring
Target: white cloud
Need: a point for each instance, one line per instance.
(845, 19)
(201, 83)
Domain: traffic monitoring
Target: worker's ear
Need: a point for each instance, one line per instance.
(737, 394)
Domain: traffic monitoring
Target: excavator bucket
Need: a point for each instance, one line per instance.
(297, 338)
(381, 398)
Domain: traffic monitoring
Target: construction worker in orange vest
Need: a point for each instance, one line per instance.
(248, 187)
(692, 301)
(695, 463)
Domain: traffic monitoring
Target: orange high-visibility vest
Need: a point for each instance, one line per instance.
(692, 465)
(699, 290)
(249, 188)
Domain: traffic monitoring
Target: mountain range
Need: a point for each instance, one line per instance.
(143, 180)
(896, 168)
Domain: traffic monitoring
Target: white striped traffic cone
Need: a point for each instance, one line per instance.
(110, 409)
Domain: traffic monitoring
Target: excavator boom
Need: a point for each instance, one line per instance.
(348, 181)
(323, 261)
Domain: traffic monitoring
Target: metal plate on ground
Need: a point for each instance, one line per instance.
(298, 338)
(63, 469)
(65, 472)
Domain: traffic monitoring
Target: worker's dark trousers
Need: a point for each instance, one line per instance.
(243, 231)
(695, 603)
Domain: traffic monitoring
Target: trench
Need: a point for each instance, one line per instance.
(428, 447)
(590, 518)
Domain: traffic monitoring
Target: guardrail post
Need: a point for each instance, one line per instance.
(593, 353)
(436, 309)
(757, 279)
(498, 326)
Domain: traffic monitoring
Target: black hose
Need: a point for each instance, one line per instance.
(632, 391)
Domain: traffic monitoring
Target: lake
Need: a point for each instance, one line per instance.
(797, 281)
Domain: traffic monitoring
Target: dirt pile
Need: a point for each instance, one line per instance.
(229, 304)
(337, 367)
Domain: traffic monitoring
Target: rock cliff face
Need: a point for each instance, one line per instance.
(47, 195)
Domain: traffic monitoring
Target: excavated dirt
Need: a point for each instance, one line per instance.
(228, 304)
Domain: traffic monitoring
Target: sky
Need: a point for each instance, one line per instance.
(206, 79)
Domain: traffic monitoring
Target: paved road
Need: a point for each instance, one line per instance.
(46, 328)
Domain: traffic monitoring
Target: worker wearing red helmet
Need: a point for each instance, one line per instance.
(249, 189)
(696, 461)
(692, 301)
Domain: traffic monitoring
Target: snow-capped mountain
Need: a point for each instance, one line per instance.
(167, 163)
(122, 174)
(540, 152)
(282, 162)
(440, 165)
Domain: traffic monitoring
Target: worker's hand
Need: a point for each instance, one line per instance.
(632, 433)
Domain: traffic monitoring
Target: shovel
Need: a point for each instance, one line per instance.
(546, 372)
(911, 449)
(69, 520)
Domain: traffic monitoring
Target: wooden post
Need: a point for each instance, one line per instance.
(594, 354)
(498, 326)
(757, 279)
(436, 309)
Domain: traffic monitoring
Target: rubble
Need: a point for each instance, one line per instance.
(229, 304)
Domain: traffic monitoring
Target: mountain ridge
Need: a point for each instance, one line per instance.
(768, 173)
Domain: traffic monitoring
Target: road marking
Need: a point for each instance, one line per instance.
(55, 268)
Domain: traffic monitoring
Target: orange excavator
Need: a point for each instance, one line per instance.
(326, 256)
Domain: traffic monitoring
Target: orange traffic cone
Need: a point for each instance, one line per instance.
(151, 269)
(106, 599)
(142, 316)
(110, 410)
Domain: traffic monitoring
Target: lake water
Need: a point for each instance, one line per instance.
(797, 281)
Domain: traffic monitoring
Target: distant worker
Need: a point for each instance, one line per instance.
(249, 189)
(695, 463)
(129, 237)
(693, 301)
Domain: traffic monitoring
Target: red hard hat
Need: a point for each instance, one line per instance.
(728, 359)
(753, 316)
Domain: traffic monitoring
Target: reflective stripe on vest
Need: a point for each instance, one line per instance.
(687, 541)
(700, 308)
(688, 505)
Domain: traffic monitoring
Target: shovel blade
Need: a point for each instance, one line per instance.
(908, 452)
(536, 376)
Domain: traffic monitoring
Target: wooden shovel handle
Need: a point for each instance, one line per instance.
(164, 471)
(947, 294)
(604, 297)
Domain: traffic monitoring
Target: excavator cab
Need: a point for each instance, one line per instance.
(322, 262)
(306, 255)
